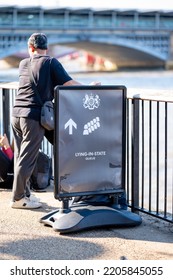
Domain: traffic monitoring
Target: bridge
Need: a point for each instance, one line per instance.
(125, 37)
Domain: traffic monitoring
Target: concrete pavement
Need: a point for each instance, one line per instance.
(23, 237)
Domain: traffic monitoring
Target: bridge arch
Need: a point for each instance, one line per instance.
(122, 50)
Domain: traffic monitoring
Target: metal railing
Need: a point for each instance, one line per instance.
(68, 18)
(150, 154)
(149, 151)
(7, 96)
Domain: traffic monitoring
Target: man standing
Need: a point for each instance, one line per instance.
(28, 133)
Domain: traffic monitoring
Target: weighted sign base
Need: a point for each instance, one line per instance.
(78, 218)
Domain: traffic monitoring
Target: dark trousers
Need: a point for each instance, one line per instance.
(28, 135)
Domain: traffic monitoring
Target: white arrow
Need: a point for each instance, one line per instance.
(70, 124)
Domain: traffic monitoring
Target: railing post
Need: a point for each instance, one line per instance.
(6, 112)
(135, 156)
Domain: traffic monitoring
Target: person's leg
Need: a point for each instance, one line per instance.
(28, 135)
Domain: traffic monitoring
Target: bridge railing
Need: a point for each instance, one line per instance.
(149, 148)
(69, 18)
(21, 18)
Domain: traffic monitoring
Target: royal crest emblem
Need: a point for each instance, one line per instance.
(91, 102)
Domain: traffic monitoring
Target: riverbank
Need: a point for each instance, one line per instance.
(23, 237)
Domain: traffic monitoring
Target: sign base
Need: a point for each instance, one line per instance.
(79, 218)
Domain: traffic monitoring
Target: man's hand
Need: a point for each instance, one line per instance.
(4, 141)
(95, 83)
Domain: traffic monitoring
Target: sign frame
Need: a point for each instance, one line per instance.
(58, 194)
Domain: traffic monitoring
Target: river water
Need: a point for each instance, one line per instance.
(151, 79)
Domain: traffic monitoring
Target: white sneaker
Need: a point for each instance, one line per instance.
(34, 198)
(25, 203)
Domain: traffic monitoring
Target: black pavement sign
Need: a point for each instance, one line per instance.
(90, 140)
